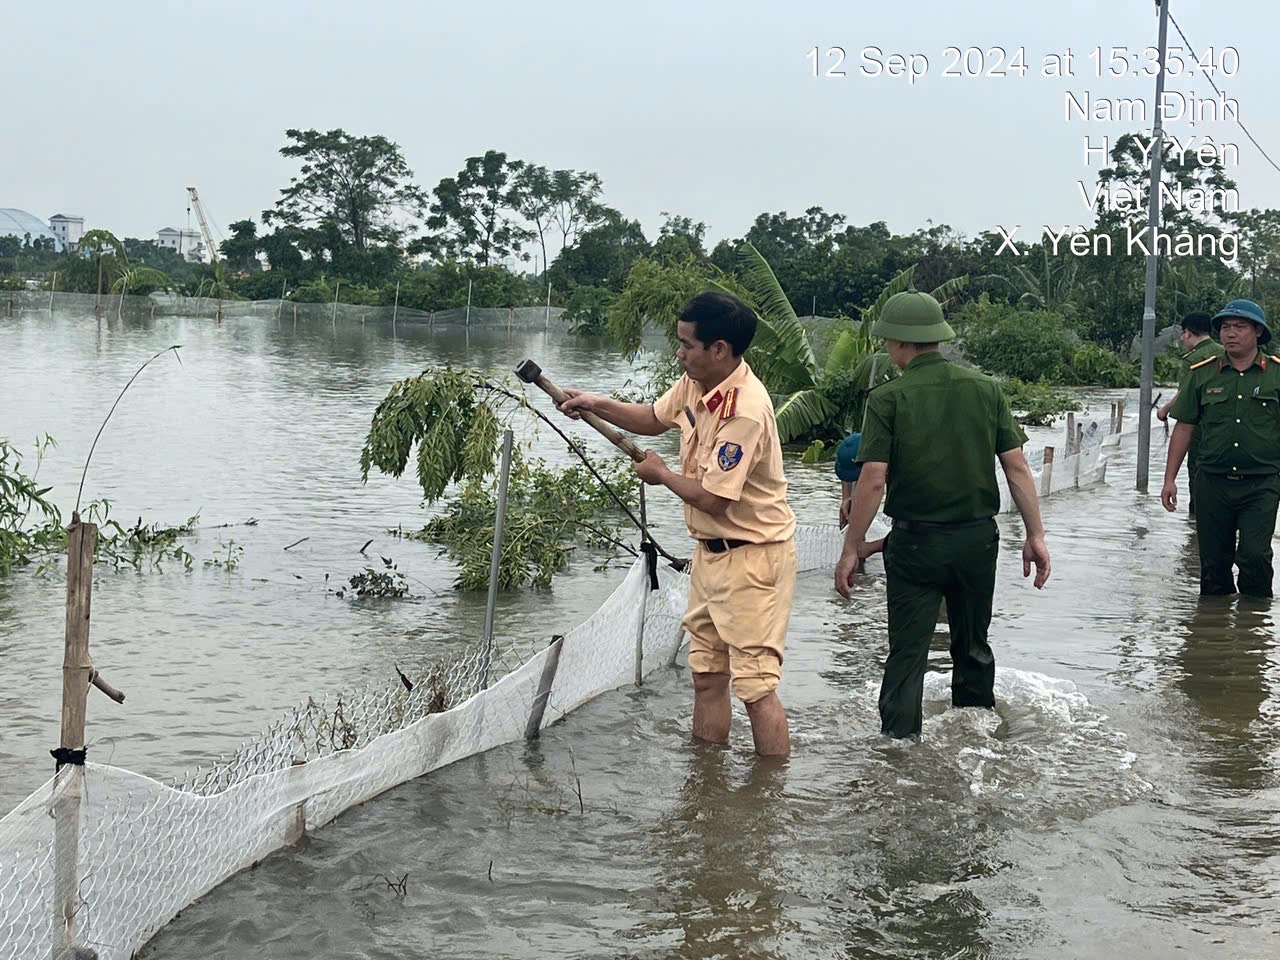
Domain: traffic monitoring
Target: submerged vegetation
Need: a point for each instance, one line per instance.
(32, 531)
(448, 420)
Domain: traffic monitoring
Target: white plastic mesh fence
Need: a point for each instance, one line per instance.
(122, 853)
(146, 849)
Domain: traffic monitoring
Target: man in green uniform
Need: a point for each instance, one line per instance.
(1230, 407)
(1199, 346)
(933, 435)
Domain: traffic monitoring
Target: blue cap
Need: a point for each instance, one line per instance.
(847, 467)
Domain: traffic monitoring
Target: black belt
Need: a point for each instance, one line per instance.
(720, 546)
(1240, 476)
(916, 526)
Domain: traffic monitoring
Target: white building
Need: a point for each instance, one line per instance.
(184, 242)
(68, 230)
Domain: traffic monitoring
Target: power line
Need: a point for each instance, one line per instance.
(1195, 56)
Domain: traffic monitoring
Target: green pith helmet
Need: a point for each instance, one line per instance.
(1245, 310)
(912, 317)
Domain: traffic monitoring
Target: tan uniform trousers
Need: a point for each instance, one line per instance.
(739, 604)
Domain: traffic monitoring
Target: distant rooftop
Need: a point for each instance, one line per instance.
(63, 216)
(19, 223)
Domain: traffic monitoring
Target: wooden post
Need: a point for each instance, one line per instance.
(1119, 416)
(1111, 424)
(1046, 477)
(76, 672)
(1075, 463)
(395, 310)
(534, 726)
(1071, 431)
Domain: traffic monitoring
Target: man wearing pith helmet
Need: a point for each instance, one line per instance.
(932, 438)
(1230, 406)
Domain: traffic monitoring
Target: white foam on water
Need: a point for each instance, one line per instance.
(1044, 748)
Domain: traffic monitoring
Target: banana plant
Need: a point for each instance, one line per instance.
(781, 354)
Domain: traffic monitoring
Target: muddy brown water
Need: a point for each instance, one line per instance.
(1122, 797)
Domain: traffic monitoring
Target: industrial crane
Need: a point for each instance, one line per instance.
(204, 225)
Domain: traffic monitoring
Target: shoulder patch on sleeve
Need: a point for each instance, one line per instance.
(730, 456)
(1206, 360)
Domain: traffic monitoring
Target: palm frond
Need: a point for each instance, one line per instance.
(899, 283)
(850, 348)
(774, 307)
(946, 291)
(803, 410)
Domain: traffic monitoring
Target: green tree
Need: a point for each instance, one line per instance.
(354, 185)
(107, 253)
(1259, 234)
(1202, 186)
(601, 256)
(679, 238)
(241, 249)
(577, 206)
(477, 214)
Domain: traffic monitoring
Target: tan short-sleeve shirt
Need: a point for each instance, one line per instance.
(729, 444)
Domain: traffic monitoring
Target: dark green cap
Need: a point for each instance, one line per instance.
(912, 317)
(1246, 310)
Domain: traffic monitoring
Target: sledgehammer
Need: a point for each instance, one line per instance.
(530, 372)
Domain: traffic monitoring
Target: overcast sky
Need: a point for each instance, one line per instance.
(708, 109)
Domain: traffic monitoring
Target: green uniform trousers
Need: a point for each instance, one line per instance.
(924, 567)
(1235, 521)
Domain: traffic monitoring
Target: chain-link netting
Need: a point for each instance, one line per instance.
(284, 311)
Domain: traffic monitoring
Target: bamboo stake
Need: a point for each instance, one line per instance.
(1046, 478)
(395, 311)
(76, 670)
(495, 558)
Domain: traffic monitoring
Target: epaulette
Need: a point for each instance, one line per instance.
(1197, 366)
(1272, 357)
(730, 406)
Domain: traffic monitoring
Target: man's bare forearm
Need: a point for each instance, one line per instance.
(636, 418)
(1179, 443)
(694, 493)
(866, 501)
(1022, 486)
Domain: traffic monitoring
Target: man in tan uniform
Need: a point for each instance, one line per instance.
(735, 497)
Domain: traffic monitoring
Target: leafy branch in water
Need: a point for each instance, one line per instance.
(549, 511)
(31, 529)
(454, 417)
(1036, 403)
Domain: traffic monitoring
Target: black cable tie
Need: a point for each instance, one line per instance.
(65, 755)
(650, 551)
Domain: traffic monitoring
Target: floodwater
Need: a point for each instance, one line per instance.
(1123, 796)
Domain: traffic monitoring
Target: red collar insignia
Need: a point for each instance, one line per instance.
(714, 401)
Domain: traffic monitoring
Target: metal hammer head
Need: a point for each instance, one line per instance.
(528, 371)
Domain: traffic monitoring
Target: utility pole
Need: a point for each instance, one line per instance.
(1149, 299)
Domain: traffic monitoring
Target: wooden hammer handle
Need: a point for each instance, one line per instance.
(623, 443)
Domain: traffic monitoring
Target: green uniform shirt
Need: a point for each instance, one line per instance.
(939, 428)
(1236, 414)
(1202, 351)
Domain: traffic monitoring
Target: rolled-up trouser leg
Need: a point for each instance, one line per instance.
(913, 582)
(969, 596)
(1216, 532)
(1257, 520)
